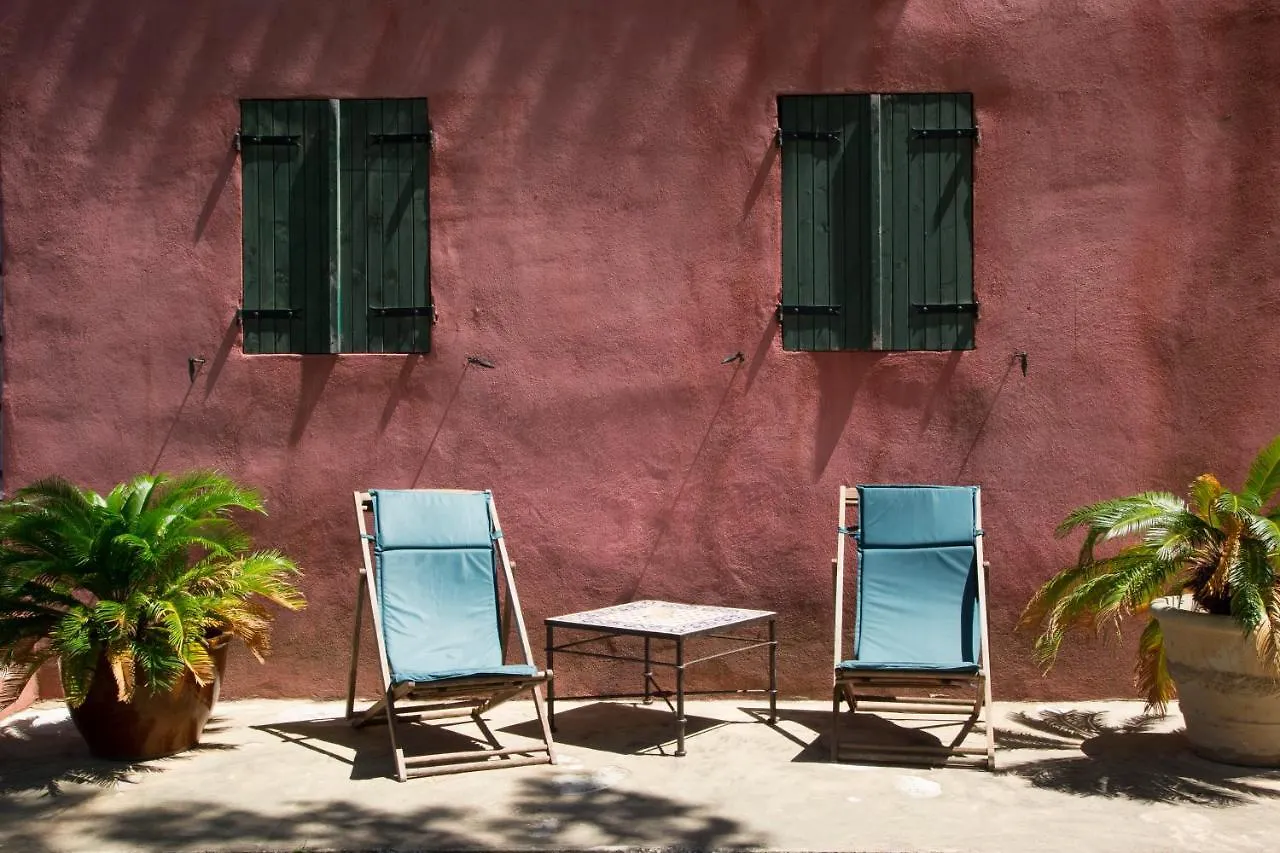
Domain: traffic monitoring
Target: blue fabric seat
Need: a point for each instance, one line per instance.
(437, 585)
(917, 605)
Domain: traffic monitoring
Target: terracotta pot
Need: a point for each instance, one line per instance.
(152, 725)
(1229, 697)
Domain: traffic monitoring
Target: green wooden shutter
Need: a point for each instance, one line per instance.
(288, 225)
(384, 272)
(827, 223)
(926, 299)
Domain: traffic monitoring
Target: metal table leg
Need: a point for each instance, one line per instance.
(551, 684)
(773, 671)
(648, 674)
(680, 720)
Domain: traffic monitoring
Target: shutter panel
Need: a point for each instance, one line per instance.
(386, 296)
(285, 152)
(926, 260)
(826, 258)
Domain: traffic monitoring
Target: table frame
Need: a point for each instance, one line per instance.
(651, 686)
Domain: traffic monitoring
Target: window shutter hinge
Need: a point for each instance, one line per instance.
(973, 133)
(946, 308)
(241, 139)
(809, 310)
(805, 135)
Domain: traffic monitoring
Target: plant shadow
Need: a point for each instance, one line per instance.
(41, 756)
(1126, 760)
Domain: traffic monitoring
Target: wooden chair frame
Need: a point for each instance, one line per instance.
(461, 697)
(975, 713)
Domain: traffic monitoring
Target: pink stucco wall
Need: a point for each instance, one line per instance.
(605, 229)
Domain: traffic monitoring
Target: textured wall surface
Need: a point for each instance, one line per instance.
(605, 230)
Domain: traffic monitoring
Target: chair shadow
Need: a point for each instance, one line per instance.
(621, 727)
(367, 750)
(864, 727)
(50, 757)
(1126, 760)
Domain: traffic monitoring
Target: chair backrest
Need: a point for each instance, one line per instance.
(437, 586)
(918, 575)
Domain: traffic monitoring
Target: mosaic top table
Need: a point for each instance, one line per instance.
(665, 621)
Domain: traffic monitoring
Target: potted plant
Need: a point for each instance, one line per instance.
(1208, 570)
(136, 594)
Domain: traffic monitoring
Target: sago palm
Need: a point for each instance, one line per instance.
(1218, 546)
(144, 575)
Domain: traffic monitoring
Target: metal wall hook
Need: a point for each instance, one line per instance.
(481, 362)
(194, 363)
(737, 356)
(1021, 356)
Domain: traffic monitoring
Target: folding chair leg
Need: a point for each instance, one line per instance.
(836, 691)
(541, 711)
(402, 773)
(991, 729)
(355, 649)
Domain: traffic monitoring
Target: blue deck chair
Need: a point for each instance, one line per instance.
(920, 618)
(439, 582)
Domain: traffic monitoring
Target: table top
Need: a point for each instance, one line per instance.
(661, 618)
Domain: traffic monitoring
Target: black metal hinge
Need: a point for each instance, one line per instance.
(808, 135)
(394, 138)
(243, 139)
(810, 310)
(403, 311)
(269, 313)
(945, 133)
(946, 308)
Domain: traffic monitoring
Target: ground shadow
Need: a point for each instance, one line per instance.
(46, 773)
(621, 727)
(38, 756)
(367, 750)
(864, 727)
(1126, 760)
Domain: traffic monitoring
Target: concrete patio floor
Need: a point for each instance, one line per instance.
(291, 776)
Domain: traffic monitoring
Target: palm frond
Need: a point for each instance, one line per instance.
(1151, 673)
(1264, 474)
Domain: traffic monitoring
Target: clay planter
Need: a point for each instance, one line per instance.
(1229, 698)
(153, 725)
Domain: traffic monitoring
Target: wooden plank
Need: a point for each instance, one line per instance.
(921, 173)
(962, 208)
(804, 209)
(876, 303)
(787, 109)
(420, 227)
(942, 328)
(900, 227)
(276, 330)
(353, 274)
(251, 165)
(820, 284)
